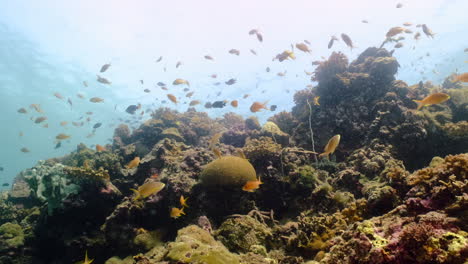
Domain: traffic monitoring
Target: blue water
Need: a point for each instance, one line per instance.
(51, 46)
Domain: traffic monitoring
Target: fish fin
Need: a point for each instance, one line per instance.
(182, 211)
(420, 104)
(325, 154)
(137, 193)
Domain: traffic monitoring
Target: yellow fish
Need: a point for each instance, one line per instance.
(134, 163)
(316, 100)
(86, 260)
(331, 146)
(176, 212)
(148, 189)
(435, 98)
(62, 136)
(96, 100)
(183, 201)
(303, 47)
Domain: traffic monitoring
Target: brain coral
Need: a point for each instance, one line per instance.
(228, 171)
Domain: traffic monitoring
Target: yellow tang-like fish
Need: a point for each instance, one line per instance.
(435, 98)
(148, 189)
(251, 186)
(331, 146)
(176, 212)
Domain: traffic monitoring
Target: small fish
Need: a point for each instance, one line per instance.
(78, 124)
(96, 100)
(257, 106)
(154, 176)
(303, 47)
(308, 73)
(253, 31)
(161, 84)
(365, 21)
(273, 107)
(164, 88)
(6, 184)
(58, 145)
(180, 81)
(45, 125)
(69, 101)
(267, 69)
(172, 98)
(194, 102)
(97, 125)
(40, 119)
(417, 36)
(59, 96)
(281, 74)
(427, 31)
(176, 212)
(347, 40)
(178, 64)
(36, 107)
(208, 105)
(245, 96)
(316, 100)
(142, 82)
(399, 5)
(105, 67)
(234, 103)
(251, 186)
(85, 84)
(285, 55)
(259, 37)
(24, 150)
(218, 104)
(100, 148)
(462, 77)
(63, 123)
(147, 189)
(332, 40)
(183, 201)
(62, 136)
(253, 52)
(146, 90)
(80, 96)
(189, 94)
(331, 146)
(398, 45)
(86, 260)
(102, 80)
(435, 98)
(208, 57)
(230, 81)
(394, 31)
(134, 163)
(22, 110)
(234, 51)
(408, 31)
(159, 59)
(214, 76)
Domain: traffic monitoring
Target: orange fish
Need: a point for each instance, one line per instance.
(62, 136)
(234, 103)
(462, 77)
(172, 98)
(80, 96)
(331, 146)
(37, 108)
(435, 98)
(194, 102)
(183, 201)
(394, 31)
(63, 123)
(251, 186)
(100, 148)
(134, 163)
(257, 106)
(154, 176)
(176, 212)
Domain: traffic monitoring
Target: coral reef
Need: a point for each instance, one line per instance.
(378, 199)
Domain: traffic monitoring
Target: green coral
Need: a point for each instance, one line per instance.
(195, 245)
(11, 236)
(242, 234)
(263, 148)
(368, 229)
(148, 240)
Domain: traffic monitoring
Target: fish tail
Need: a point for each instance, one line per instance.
(182, 211)
(137, 193)
(420, 104)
